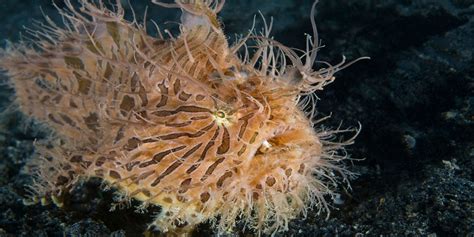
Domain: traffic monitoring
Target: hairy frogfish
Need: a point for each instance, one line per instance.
(208, 131)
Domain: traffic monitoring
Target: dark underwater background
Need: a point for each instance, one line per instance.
(414, 99)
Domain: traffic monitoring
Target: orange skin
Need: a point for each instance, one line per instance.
(182, 123)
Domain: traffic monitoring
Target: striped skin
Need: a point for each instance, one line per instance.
(180, 123)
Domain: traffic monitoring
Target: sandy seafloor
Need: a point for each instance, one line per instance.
(414, 99)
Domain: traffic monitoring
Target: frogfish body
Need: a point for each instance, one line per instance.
(182, 122)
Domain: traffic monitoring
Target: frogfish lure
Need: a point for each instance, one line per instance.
(207, 131)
